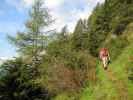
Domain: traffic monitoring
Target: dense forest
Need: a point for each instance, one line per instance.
(65, 66)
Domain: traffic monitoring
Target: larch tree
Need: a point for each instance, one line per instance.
(33, 40)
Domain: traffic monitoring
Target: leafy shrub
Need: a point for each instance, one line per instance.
(68, 73)
(116, 45)
(128, 32)
(129, 69)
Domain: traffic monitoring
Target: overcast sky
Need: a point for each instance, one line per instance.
(14, 13)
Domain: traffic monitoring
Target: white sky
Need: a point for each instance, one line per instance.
(63, 15)
(13, 15)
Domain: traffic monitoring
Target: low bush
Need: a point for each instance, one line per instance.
(69, 73)
(116, 45)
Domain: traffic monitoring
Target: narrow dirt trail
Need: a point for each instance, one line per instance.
(123, 92)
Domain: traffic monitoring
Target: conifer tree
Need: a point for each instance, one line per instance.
(33, 40)
(80, 35)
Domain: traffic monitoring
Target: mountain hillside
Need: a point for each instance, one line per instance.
(70, 68)
(117, 82)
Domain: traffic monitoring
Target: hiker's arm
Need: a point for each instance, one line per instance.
(108, 56)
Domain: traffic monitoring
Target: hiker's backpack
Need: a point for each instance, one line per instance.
(103, 52)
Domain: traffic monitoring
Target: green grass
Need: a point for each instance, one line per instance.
(64, 96)
(105, 89)
(119, 68)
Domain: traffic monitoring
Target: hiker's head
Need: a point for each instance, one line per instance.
(103, 48)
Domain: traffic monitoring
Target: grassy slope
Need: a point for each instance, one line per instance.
(106, 89)
(119, 67)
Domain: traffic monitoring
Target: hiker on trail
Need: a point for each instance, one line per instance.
(104, 56)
